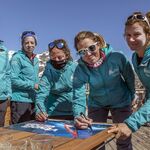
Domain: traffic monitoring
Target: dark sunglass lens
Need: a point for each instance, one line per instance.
(24, 33)
(82, 52)
(31, 32)
(140, 17)
(51, 45)
(60, 45)
(92, 48)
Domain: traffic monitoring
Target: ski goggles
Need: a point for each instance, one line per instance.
(27, 33)
(59, 45)
(91, 49)
(139, 17)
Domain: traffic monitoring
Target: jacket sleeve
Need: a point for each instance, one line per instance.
(16, 80)
(140, 117)
(8, 78)
(128, 76)
(38, 70)
(43, 93)
(79, 93)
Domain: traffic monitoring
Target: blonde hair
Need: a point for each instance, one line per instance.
(91, 35)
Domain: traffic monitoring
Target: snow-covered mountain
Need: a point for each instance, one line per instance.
(44, 57)
(10, 53)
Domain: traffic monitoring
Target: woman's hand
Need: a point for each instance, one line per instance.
(41, 117)
(36, 86)
(121, 130)
(82, 123)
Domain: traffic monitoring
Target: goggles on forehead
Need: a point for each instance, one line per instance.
(139, 17)
(91, 48)
(59, 45)
(28, 33)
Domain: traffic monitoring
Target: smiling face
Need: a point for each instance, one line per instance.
(90, 57)
(136, 38)
(28, 45)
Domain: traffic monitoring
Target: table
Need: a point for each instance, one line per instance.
(63, 143)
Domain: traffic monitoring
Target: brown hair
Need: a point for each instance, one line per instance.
(144, 24)
(91, 35)
(65, 48)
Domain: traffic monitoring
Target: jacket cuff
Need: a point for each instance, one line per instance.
(132, 125)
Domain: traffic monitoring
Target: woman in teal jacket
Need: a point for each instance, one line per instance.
(111, 82)
(55, 93)
(24, 77)
(5, 82)
(137, 34)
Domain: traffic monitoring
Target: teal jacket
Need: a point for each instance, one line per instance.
(5, 73)
(143, 71)
(55, 92)
(111, 84)
(24, 75)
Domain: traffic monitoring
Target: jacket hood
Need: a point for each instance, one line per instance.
(146, 55)
(21, 52)
(107, 49)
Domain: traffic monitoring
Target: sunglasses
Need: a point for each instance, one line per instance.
(139, 17)
(59, 45)
(91, 49)
(26, 33)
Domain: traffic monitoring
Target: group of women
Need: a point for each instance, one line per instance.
(61, 91)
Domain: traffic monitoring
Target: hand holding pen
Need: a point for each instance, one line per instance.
(41, 116)
(83, 116)
(82, 122)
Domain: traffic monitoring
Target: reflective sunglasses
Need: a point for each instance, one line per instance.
(139, 17)
(59, 45)
(91, 48)
(26, 33)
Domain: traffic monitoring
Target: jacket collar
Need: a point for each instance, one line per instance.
(145, 60)
(24, 56)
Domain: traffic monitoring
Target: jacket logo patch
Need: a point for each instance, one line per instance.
(113, 72)
(147, 72)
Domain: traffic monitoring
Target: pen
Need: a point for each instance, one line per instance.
(40, 108)
(83, 116)
(103, 144)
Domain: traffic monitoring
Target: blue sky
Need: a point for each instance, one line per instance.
(54, 19)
